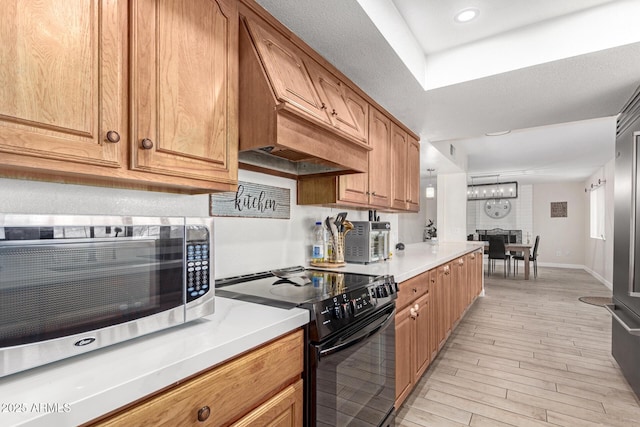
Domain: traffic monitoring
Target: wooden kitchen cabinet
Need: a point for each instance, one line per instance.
(287, 72)
(63, 68)
(374, 187)
(370, 189)
(66, 117)
(413, 174)
(347, 111)
(459, 286)
(399, 144)
(405, 170)
(262, 387)
(413, 340)
(442, 303)
(429, 307)
(182, 88)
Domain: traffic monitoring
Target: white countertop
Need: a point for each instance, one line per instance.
(79, 389)
(76, 390)
(416, 258)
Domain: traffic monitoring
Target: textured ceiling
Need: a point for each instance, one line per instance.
(570, 91)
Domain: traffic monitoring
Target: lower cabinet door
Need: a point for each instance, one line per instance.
(282, 410)
(404, 354)
(421, 337)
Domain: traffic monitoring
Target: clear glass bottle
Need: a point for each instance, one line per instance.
(318, 245)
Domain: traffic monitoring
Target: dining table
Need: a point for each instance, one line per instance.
(525, 248)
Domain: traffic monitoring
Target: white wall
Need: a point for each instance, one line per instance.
(561, 239)
(452, 207)
(242, 245)
(598, 258)
(411, 225)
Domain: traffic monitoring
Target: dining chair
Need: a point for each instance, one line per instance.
(497, 251)
(532, 257)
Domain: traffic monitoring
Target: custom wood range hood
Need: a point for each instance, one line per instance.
(295, 117)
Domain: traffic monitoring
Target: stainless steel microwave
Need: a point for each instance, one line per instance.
(72, 284)
(368, 242)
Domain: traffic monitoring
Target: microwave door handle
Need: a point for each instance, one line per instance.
(367, 332)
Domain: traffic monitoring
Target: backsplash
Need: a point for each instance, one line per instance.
(242, 245)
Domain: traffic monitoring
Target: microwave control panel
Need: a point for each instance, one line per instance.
(198, 263)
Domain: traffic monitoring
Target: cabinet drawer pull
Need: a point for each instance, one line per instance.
(203, 413)
(113, 136)
(147, 144)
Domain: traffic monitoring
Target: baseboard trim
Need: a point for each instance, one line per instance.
(554, 265)
(599, 278)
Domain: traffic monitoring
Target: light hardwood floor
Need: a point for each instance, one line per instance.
(528, 353)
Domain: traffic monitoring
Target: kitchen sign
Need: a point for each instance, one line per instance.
(252, 201)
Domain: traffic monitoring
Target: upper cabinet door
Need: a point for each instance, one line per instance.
(63, 80)
(399, 143)
(184, 88)
(287, 72)
(379, 159)
(347, 111)
(413, 174)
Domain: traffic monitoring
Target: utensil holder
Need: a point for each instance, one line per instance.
(336, 254)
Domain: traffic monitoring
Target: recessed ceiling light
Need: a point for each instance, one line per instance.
(466, 15)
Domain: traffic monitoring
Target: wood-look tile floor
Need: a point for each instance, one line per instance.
(528, 353)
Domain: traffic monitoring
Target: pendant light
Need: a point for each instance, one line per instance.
(431, 191)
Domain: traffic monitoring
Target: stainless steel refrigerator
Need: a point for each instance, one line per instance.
(625, 310)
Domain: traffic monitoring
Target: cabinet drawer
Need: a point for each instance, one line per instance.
(224, 394)
(282, 410)
(411, 289)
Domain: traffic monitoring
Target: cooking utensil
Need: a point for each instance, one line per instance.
(328, 223)
(339, 220)
(333, 227)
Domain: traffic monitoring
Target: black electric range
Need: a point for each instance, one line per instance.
(350, 340)
(336, 300)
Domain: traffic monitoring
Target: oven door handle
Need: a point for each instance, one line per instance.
(366, 332)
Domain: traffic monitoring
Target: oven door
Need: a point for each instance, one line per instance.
(353, 374)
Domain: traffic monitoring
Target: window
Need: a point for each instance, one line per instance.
(597, 213)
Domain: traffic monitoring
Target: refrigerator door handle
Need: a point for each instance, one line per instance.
(611, 308)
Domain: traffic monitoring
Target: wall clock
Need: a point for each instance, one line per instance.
(497, 208)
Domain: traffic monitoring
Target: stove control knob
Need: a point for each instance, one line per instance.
(382, 289)
(348, 309)
(337, 312)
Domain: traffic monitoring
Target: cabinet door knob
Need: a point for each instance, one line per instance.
(113, 136)
(147, 144)
(204, 413)
(460, 261)
(415, 290)
(323, 107)
(333, 113)
(373, 194)
(416, 307)
(473, 256)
